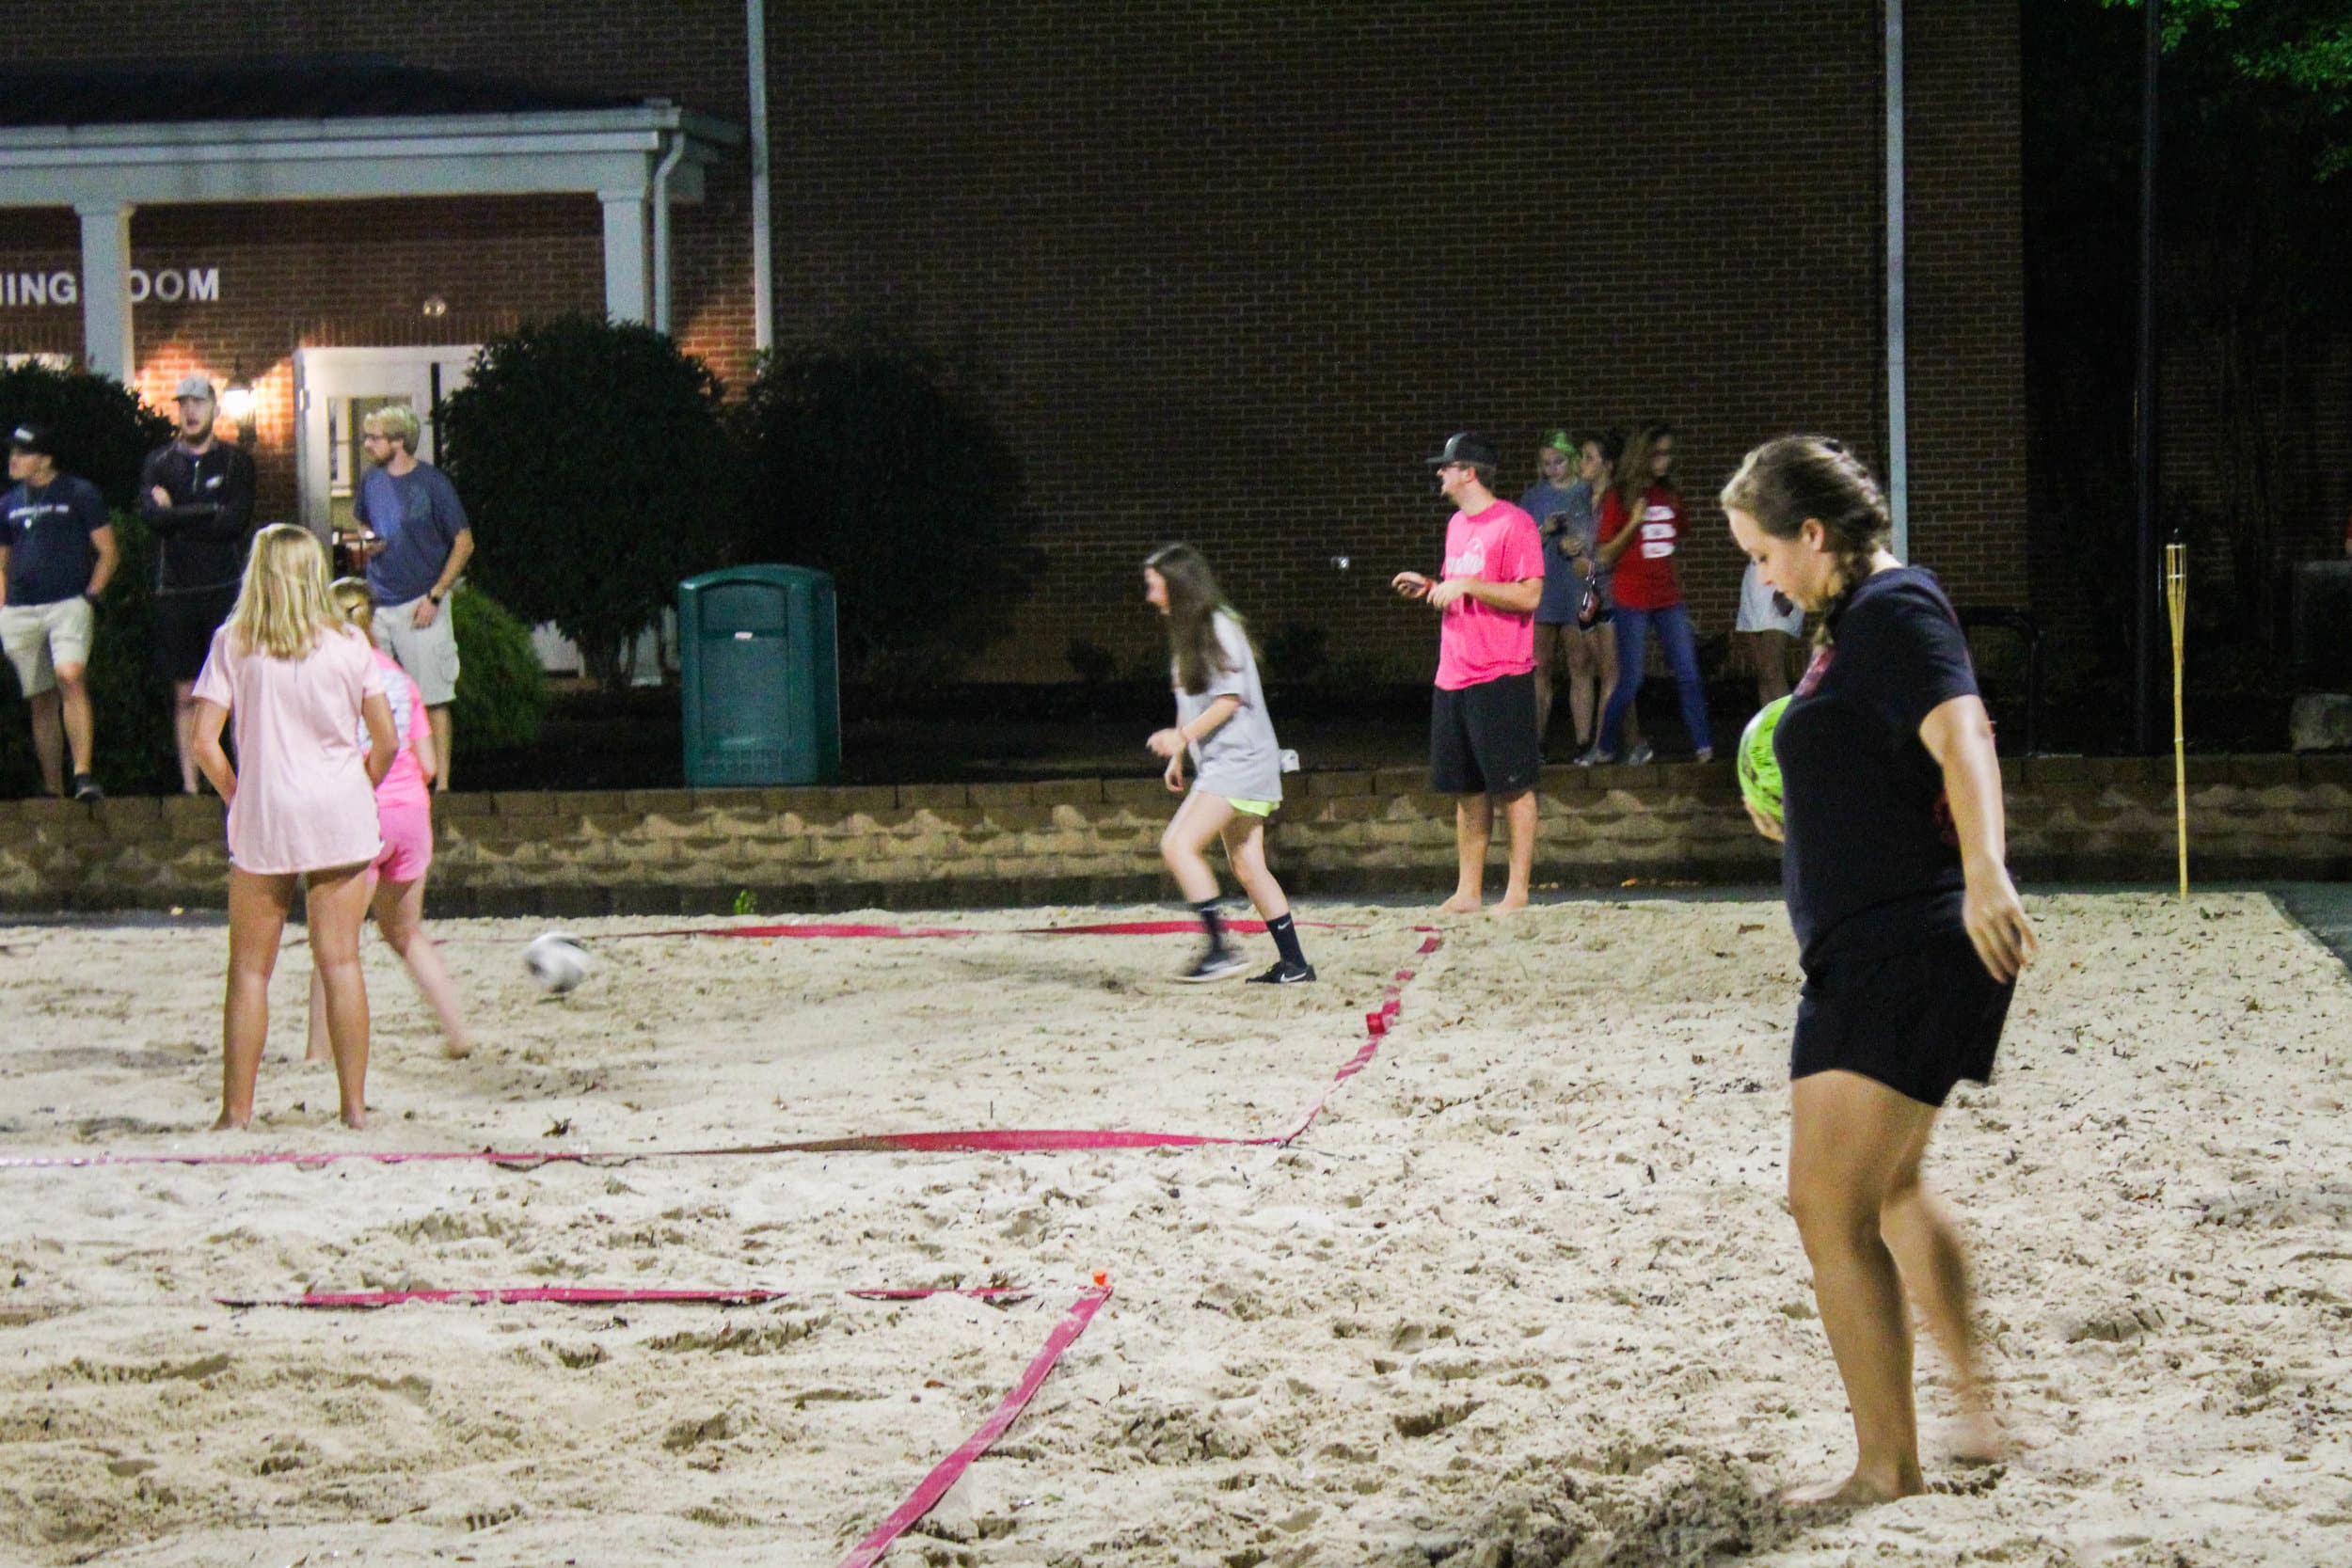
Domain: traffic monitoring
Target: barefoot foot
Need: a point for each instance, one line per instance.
(456, 1050)
(356, 1119)
(1855, 1491)
(227, 1123)
(1510, 902)
(1977, 1439)
(1461, 903)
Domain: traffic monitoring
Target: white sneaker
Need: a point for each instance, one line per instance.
(1221, 963)
(1642, 755)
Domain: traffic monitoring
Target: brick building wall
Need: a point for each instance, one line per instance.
(1232, 270)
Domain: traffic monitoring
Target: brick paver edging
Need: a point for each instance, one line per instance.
(1363, 831)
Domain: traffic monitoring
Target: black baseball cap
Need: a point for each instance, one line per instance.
(29, 437)
(1466, 446)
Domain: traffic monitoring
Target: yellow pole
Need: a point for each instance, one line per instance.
(2176, 604)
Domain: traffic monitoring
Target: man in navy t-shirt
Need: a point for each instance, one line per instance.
(57, 554)
(414, 532)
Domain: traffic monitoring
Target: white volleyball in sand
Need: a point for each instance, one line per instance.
(556, 960)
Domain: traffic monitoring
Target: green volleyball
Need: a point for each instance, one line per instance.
(1759, 767)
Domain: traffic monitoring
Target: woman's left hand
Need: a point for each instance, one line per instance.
(1167, 743)
(1174, 776)
(1998, 926)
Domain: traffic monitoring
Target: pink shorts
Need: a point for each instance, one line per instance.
(407, 833)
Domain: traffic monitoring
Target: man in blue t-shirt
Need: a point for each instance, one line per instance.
(57, 554)
(413, 531)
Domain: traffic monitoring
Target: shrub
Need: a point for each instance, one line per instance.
(502, 694)
(596, 472)
(104, 432)
(877, 462)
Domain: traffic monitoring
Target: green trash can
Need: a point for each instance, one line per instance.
(761, 677)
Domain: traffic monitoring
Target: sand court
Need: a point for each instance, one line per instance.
(1529, 1283)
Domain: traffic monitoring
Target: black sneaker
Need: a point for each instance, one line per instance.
(1285, 973)
(85, 788)
(1217, 963)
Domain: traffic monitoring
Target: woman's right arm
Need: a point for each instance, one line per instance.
(205, 744)
(1958, 734)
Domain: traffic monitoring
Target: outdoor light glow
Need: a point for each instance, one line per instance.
(236, 401)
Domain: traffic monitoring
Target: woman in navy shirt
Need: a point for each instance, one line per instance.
(1910, 932)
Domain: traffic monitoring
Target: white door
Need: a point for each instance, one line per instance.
(337, 387)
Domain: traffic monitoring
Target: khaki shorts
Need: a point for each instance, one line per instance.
(41, 637)
(430, 656)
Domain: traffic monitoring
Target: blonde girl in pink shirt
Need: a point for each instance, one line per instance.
(403, 811)
(300, 682)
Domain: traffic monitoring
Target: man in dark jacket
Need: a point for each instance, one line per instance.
(197, 496)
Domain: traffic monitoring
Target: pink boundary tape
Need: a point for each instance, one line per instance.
(985, 1140)
(947, 1471)
(890, 933)
(586, 1295)
(926, 1493)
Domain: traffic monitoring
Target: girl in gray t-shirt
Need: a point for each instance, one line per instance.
(1222, 725)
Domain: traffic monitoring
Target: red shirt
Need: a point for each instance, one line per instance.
(1645, 573)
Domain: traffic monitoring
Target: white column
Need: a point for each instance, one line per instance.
(625, 260)
(107, 346)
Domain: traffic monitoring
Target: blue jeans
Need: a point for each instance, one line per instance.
(1683, 657)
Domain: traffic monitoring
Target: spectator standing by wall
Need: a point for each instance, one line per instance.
(1565, 518)
(1482, 724)
(57, 552)
(1593, 657)
(1642, 526)
(417, 542)
(196, 496)
(1766, 631)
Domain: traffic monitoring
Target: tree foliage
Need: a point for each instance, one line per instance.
(2301, 50)
(104, 432)
(2251, 278)
(595, 469)
(877, 461)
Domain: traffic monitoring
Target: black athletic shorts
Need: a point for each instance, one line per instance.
(1482, 739)
(1917, 1019)
(180, 627)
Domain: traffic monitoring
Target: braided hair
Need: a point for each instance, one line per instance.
(1788, 481)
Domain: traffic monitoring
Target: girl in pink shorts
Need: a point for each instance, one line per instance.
(404, 810)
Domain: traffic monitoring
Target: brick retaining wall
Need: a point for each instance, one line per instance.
(1096, 840)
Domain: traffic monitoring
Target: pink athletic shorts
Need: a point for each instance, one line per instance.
(407, 833)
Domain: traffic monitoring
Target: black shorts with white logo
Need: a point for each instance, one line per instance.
(1482, 739)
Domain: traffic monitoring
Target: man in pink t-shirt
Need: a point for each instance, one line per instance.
(1483, 742)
